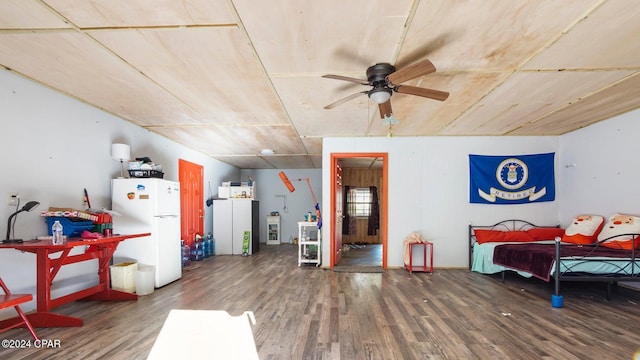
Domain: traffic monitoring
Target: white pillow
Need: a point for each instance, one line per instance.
(583, 229)
(619, 224)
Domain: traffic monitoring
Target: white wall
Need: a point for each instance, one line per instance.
(429, 190)
(55, 146)
(599, 168)
(599, 172)
(274, 196)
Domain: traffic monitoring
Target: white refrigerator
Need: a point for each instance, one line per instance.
(149, 205)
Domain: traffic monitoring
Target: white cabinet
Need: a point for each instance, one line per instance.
(231, 219)
(273, 230)
(309, 241)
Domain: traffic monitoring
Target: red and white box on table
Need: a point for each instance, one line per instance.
(418, 254)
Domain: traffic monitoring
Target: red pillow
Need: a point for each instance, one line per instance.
(545, 233)
(517, 236)
(484, 236)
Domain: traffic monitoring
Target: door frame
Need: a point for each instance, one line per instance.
(335, 157)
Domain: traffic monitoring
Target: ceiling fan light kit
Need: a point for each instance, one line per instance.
(380, 96)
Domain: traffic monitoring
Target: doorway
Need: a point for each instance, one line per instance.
(354, 242)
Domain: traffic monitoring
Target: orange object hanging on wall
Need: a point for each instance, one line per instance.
(286, 182)
(291, 188)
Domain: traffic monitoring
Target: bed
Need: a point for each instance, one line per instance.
(537, 254)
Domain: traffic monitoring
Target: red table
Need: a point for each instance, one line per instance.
(47, 269)
(427, 262)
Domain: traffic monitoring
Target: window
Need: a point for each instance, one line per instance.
(359, 202)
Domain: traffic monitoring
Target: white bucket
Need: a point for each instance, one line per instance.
(145, 278)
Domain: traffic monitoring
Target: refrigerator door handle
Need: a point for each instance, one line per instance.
(166, 216)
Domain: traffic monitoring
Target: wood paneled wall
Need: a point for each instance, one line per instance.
(362, 177)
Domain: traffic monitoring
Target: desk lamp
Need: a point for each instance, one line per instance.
(122, 153)
(27, 207)
(291, 188)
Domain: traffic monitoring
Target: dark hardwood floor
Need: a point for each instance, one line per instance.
(359, 256)
(311, 313)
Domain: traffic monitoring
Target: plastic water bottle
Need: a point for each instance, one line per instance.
(186, 254)
(210, 245)
(200, 249)
(205, 248)
(56, 231)
(196, 249)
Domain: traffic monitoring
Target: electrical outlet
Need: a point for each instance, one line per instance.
(13, 199)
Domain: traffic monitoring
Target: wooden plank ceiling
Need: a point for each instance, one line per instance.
(229, 78)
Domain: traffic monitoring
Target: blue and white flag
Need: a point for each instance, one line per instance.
(518, 179)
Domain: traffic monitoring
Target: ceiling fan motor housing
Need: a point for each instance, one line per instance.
(377, 74)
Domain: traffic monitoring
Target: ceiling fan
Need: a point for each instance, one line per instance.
(386, 80)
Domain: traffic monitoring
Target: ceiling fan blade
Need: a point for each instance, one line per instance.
(427, 93)
(344, 100)
(385, 109)
(412, 71)
(346, 78)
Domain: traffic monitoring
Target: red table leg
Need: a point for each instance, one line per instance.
(45, 319)
(112, 295)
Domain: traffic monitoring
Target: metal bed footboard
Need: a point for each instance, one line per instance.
(628, 272)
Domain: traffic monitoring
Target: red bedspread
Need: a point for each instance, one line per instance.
(538, 259)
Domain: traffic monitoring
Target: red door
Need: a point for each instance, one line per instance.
(191, 199)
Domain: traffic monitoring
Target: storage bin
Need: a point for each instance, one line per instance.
(146, 174)
(123, 276)
(71, 227)
(145, 280)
